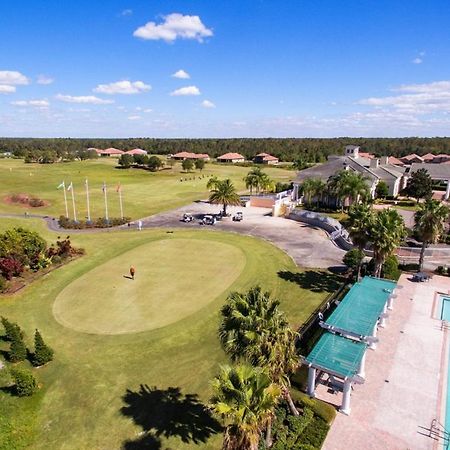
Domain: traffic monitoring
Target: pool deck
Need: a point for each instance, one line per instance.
(405, 378)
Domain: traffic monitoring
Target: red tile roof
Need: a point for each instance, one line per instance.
(136, 151)
(231, 156)
(189, 155)
(270, 158)
(428, 157)
(395, 161)
(366, 155)
(110, 151)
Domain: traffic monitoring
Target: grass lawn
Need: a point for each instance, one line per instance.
(144, 193)
(104, 389)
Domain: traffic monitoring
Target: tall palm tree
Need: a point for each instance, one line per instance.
(337, 186)
(253, 328)
(251, 181)
(356, 187)
(386, 231)
(313, 188)
(429, 223)
(244, 398)
(360, 217)
(224, 193)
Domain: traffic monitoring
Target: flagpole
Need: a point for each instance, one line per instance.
(87, 201)
(73, 202)
(65, 199)
(106, 202)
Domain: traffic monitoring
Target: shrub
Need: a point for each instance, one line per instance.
(17, 350)
(2, 284)
(390, 268)
(154, 163)
(321, 409)
(126, 160)
(42, 352)
(353, 258)
(10, 267)
(315, 433)
(36, 202)
(101, 222)
(382, 190)
(187, 165)
(25, 383)
(200, 164)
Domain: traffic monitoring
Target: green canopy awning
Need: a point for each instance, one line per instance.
(360, 309)
(337, 355)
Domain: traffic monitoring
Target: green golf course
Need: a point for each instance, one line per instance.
(144, 193)
(128, 354)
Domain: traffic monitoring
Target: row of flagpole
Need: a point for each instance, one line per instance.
(86, 184)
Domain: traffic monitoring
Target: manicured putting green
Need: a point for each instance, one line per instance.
(174, 278)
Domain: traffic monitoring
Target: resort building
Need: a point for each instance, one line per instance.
(373, 169)
(265, 158)
(231, 158)
(438, 173)
(181, 156)
(413, 158)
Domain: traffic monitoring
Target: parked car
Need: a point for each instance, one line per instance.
(208, 220)
(238, 216)
(187, 217)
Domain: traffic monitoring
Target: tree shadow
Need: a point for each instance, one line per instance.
(167, 413)
(313, 280)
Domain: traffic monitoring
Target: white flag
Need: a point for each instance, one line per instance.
(61, 185)
(69, 188)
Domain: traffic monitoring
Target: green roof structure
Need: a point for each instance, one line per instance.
(360, 309)
(337, 355)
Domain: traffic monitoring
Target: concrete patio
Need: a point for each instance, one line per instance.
(405, 378)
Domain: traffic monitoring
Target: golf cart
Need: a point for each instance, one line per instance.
(238, 216)
(208, 220)
(187, 217)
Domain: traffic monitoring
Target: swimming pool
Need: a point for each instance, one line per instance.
(445, 315)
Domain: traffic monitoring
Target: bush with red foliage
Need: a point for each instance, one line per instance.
(10, 267)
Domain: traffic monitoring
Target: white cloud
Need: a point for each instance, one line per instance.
(44, 79)
(416, 98)
(13, 77)
(6, 89)
(181, 74)
(188, 90)
(174, 26)
(417, 60)
(123, 87)
(83, 99)
(134, 117)
(148, 110)
(126, 12)
(35, 103)
(208, 104)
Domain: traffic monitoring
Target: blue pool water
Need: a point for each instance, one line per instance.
(445, 315)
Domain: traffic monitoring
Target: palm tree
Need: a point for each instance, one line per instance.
(244, 398)
(429, 223)
(360, 217)
(251, 181)
(356, 187)
(212, 183)
(224, 193)
(337, 186)
(386, 232)
(313, 188)
(253, 328)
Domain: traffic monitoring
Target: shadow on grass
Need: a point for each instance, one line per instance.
(167, 413)
(313, 280)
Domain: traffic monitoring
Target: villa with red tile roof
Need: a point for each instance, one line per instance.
(109, 152)
(136, 151)
(231, 158)
(265, 158)
(188, 155)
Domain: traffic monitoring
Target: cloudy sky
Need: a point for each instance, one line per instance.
(229, 68)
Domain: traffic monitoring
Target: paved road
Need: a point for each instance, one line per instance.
(309, 247)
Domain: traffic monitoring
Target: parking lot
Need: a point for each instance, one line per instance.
(309, 247)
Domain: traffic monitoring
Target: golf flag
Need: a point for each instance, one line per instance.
(70, 187)
(61, 185)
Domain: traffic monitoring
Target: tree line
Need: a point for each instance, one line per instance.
(310, 150)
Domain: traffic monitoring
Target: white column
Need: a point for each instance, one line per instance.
(345, 407)
(311, 382)
(373, 345)
(447, 191)
(383, 318)
(362, 366)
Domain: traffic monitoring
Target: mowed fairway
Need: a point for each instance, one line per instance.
(103, 391)
(175, 278)
(144, 193)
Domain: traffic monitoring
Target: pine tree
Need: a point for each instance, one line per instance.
(9, 328)
(42, 352)
(17, 350)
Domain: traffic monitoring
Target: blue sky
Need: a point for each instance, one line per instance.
(250, 68)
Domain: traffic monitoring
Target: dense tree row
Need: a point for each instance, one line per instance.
(289, 149)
